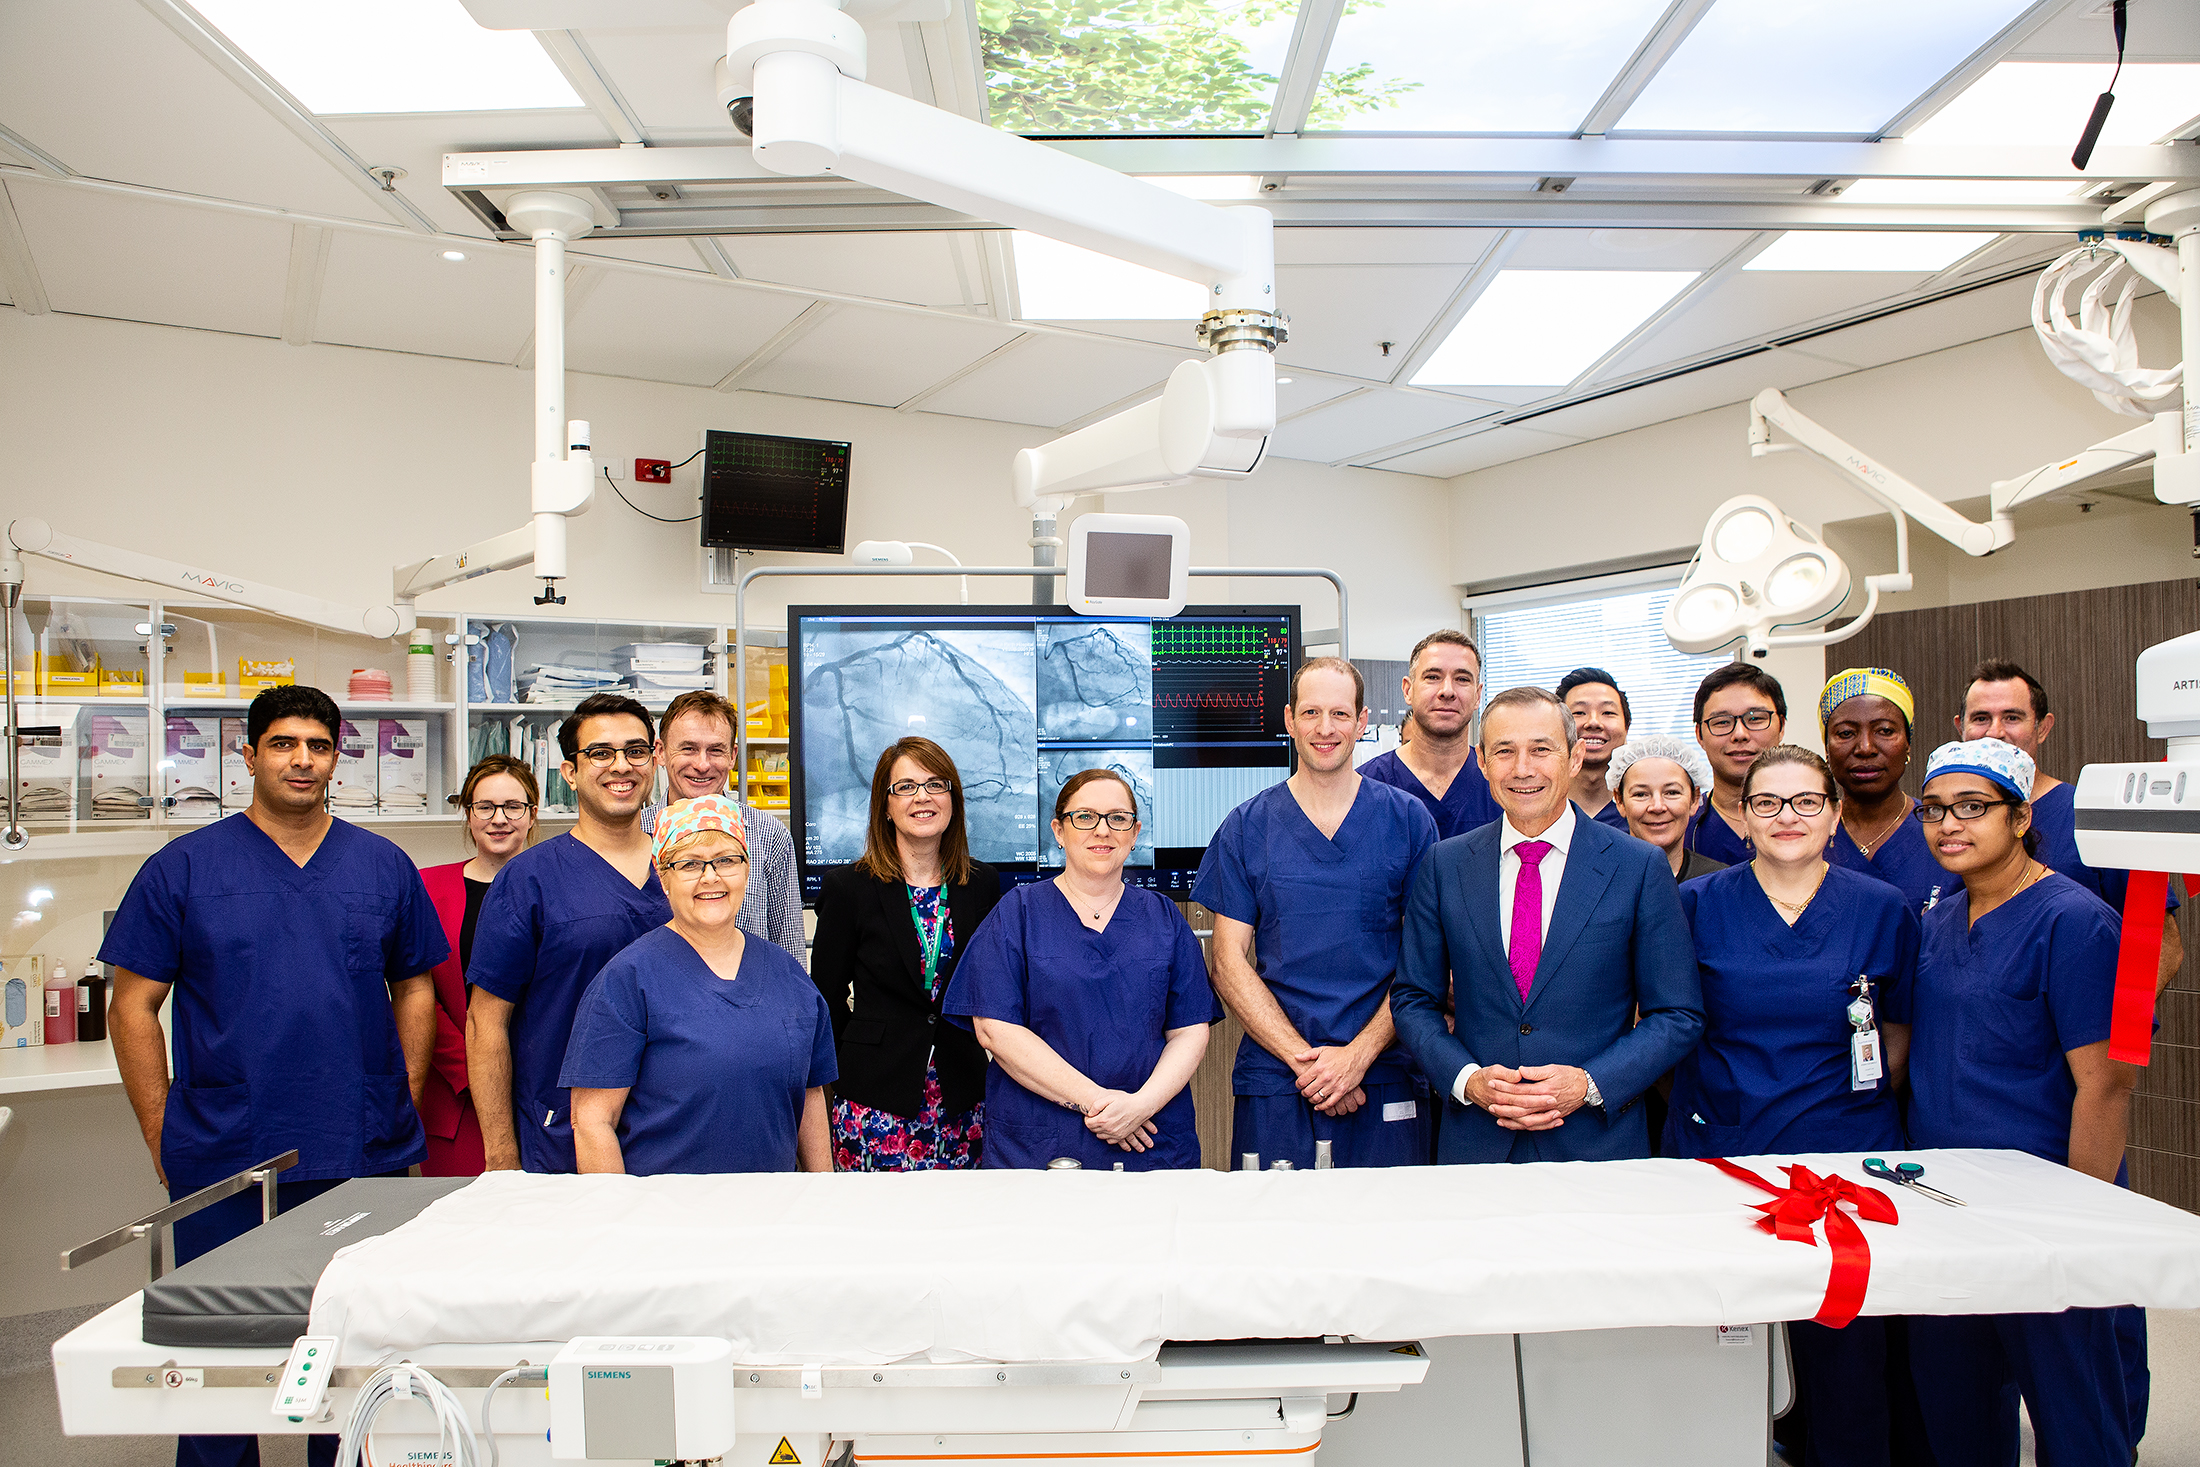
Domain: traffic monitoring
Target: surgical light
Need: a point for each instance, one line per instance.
(1758, 571)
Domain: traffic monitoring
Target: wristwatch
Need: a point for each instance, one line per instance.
(1596, 1096)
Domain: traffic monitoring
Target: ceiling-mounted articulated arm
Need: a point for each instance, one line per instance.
(793, 75)
(36, 537)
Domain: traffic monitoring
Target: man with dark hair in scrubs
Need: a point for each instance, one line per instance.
(1317, 870)
(299, 949)
(1436, 761)
(557, 913)
(1601, 716)
(1741, 711)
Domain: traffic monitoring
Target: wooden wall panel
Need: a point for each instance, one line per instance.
(2081, 647)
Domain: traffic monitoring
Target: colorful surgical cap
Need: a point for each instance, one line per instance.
(676, 823)
(1687, 753)
(1990, 759)
(1859, 682)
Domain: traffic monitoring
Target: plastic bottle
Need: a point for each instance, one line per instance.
(60, 1007)
(91, 1004)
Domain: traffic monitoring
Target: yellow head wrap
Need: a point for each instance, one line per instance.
(1858, 682)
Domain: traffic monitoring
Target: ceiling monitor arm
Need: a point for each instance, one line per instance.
(793, 78)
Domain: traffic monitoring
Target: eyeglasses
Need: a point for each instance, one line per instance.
(1961, 809)
(490, 809)
(1805, 804)
(636, 752)
(902, 789)
(1756, 720)
(693, 867)
(1090, 819)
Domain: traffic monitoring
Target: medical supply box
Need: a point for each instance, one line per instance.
(191, 770)
(23, 1003)
(116, 749)
(401, 766)
(47, 765)
(353, 790)
(236, 774)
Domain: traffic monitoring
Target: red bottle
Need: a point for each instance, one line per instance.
(60, 1007)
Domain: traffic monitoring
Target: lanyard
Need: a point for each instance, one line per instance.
(935, 931)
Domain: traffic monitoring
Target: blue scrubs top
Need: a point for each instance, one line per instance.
(1772, 1072)
(555, 915)
(2055, 817)
(1102, 1000)
(1610, 815)
(1999, 1005)
(282, 1032)
(1466, 805)
(1904, 861)
(1325, 912)
(716, 1071)
(1709, 833)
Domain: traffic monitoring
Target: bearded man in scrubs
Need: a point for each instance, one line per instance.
(1438, 766)
(299, 949)
(2005, 702)
(1601, 715)
(1865, 713)
(557, 913)
(1318, 868)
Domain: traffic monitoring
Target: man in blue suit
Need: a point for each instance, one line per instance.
(1558, 932)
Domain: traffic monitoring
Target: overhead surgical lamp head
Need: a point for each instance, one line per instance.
(1756, 571)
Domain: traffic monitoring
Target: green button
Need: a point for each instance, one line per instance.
(301, 1380)
(311, 1351)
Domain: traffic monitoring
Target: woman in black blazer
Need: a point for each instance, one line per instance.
(911, 1088)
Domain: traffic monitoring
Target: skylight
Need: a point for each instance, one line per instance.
(1475, 65)
(2047, 103)
(1915, 251)
(341, 56)
(1544, 328)
(1060, 282)
(1170, 66)
(1813, 66)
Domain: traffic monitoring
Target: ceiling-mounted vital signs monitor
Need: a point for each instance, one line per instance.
(1128, 564)
(762, 492)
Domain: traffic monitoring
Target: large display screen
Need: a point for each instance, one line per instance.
(1188, 710)
(763, 492)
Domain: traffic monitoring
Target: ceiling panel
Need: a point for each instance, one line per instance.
(665, 76)
(1052, 380)
(416, 142)
(113, 93)
(673, 253)
(1372, 420)
(1342, 314)
(397, 293)
(1335, 246)
(1624, 249)
(1295, 394)
(922, 267)
(137, 260)
(1971, 316)
(666, 330)
(878, 357)
(1690, 392)
(1753, 304)
(1477, 451)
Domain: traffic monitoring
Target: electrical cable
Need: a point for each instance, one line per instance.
(524, 1372)
(645, 514)
(456, 1443)
(2092, 134)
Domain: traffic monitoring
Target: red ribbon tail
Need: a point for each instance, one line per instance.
(2138, 964)
(1852, 1268)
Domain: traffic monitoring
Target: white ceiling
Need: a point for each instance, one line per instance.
(150, 179)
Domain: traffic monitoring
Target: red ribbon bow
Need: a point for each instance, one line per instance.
(1810, 1198)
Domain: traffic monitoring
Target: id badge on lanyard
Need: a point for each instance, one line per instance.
(1865, 1063)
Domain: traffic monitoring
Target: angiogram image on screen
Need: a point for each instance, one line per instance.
(1057, 762)
(1096, 681)
(866, 684)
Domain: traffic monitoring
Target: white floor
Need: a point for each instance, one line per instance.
(30, 1421)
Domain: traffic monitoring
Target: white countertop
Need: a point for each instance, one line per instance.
(57, 1067)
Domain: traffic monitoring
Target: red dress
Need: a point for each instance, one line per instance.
(446, 1107)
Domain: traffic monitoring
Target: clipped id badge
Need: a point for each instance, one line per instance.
(1865, 1063)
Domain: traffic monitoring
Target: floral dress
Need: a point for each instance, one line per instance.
(866, 1139)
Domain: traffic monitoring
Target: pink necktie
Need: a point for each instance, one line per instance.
(1527, 930)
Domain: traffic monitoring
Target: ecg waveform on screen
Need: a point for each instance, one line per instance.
(1207, 700)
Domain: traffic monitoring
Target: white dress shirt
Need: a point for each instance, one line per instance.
(1553, 871)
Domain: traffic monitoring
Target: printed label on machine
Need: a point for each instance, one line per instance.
(1735, 1334)
(784, 1455)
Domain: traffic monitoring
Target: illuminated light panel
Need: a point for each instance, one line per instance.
(1813, 66)
(1913, 251)
(2047, 103)
(1210, 186)
(1476, 65)
(343, 56)
(1964, 190)
(1543, 328)
(1060, 282)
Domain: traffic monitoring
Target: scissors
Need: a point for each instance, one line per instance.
(1907, 1174)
